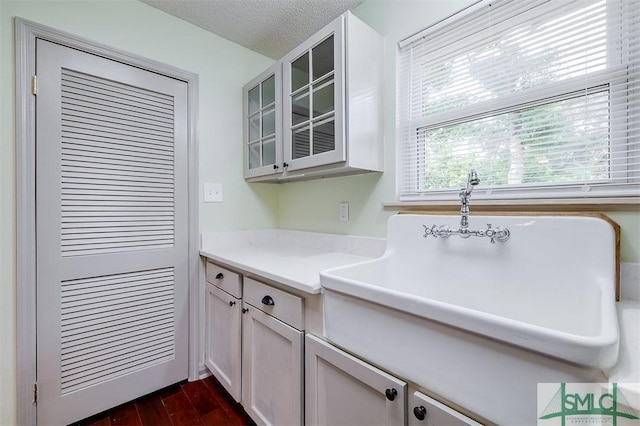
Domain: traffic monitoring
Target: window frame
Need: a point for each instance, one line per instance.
(413, 169)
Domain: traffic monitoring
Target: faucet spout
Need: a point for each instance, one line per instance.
(465, 195)
(472, 180)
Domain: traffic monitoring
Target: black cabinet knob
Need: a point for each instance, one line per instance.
(219, 276)
(245, 310)
(391, 394)
(285, 165)
(275, 167)
(231, 303)
(268, 300)
(420, 412)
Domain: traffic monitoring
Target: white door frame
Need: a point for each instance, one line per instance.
(26, 33)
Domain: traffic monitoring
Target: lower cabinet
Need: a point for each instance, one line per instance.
(222, 338)
(343, 390)
(256, 347)
(271, 369)
(426, 411)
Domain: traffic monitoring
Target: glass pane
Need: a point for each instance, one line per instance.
(254, 127)
(542, 51)
(324, 137)
(269, 152)
(300, 72)
(268, 122)
(322, 58)
(254, 155)
(300, 108)
(323, 97)
(254, 99)
(559, 142)
(301, 143)
(268, 91)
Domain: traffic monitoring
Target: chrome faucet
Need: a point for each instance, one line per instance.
(465, 195)
(500, 233)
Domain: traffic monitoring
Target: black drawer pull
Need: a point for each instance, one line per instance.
(268, 300)
(219, 276)
(391, 394)
(231, 303)
(245, 310)
(420, 412)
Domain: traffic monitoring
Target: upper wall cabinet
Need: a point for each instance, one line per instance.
(331, 105)
(263, 123)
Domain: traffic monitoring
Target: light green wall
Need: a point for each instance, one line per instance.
(134, 27)
(313, 205)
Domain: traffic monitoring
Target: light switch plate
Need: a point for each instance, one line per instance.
(212, 192)
(344, 211)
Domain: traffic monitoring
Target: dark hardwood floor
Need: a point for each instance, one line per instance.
(204, 402)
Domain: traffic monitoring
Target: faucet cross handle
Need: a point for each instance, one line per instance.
(436, 231)
(491, 233)
(500, 233)
(429, 231)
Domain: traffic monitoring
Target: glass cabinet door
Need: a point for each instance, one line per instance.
(262, 124)
(313, 87)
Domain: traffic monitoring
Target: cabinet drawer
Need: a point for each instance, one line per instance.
(282, 305)
(225, 279)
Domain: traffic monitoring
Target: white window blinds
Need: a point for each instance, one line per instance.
(541, 97)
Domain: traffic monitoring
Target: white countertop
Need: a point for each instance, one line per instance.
(292, 258)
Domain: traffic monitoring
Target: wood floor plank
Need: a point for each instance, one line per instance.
(181, 411)
(152, 412)
(214, 385)
(217, 417)
(236, 413)
(125, 415)
(102, 422)
(170, 391)
(204, 402)
(101, 419)
(202, 399)
(219, 392)
(239, 419)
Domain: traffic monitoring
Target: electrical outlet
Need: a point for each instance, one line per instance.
(344, 211)
(212, 192)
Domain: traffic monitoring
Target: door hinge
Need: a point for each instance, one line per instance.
(34, 85)
(35, 392)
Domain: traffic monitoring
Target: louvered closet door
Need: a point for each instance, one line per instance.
(111, 201)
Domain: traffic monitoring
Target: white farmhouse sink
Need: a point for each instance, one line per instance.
(539, 306)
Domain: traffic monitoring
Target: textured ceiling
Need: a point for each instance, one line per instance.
(269, 27)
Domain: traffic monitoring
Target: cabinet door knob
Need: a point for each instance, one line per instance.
(245, 310)
(391, 394)
(275, 167)
(268, 300)
(231, 303)
(285, 165)
(420, 412)
(219, 276)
